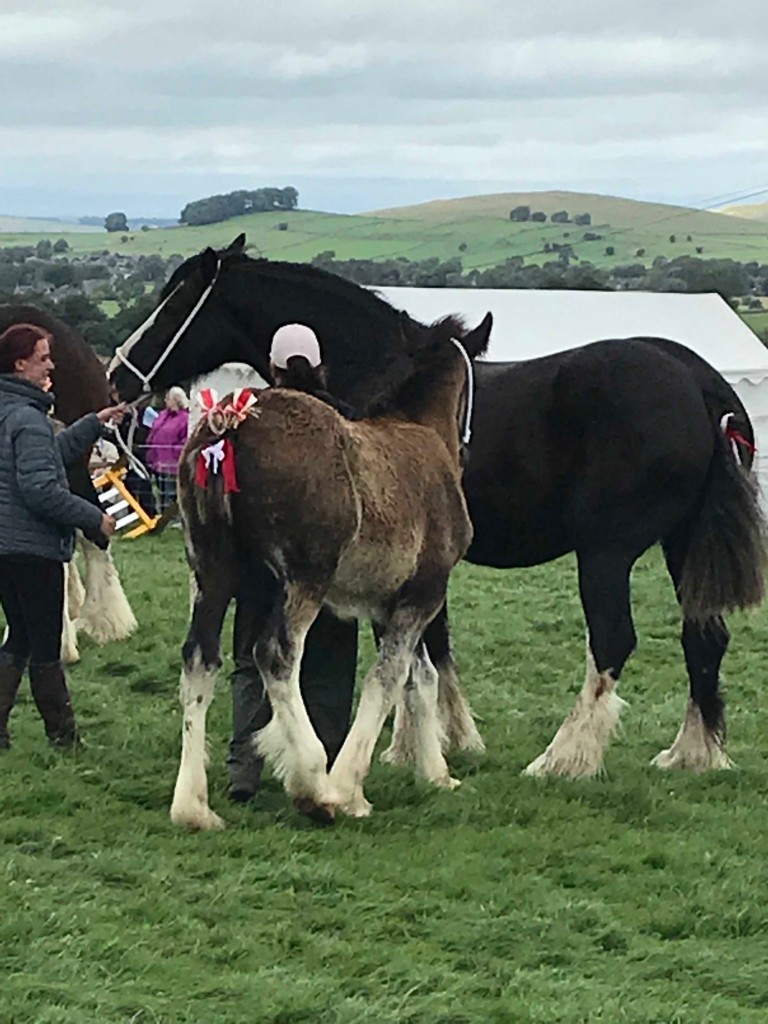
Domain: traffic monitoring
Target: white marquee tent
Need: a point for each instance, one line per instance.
(532, 322)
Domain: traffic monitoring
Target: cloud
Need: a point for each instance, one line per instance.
(646, 100)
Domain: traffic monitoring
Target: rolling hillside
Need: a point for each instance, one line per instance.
(34, 225)
(476, 229)
(749, 211)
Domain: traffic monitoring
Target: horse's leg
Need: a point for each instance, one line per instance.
(429, 729)
(382, 689)
(700, 744)
(458, 727)
(578, 747)
(75, 589)
(288, 741)
(201, 663)
(69, 651)
(106, 614)
(458, 724)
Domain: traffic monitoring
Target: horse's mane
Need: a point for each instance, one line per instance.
(365, 299)
(406, 355)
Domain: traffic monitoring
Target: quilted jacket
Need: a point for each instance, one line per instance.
(38, 513)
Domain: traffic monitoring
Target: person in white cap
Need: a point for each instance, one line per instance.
(330, 656)
(295, 362)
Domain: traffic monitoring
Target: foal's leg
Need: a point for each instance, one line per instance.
(201, 663)
(429, 731)
(288, 742)
(700, 743)
(458, 727)
(455, 714)
(578, 747)
(382, 689)
(106, 614)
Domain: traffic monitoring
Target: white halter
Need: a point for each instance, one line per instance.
(466, 430)
(121, 353)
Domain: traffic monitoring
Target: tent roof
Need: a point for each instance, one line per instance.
(537, 322)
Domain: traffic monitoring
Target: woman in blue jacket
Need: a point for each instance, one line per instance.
(38, 516)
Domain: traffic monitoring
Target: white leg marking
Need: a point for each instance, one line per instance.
(106, 614)
(69, 651)
(75, 589)
(459, 727)
(696, 748)
(430, 735)
(288, 742)
(190, 797)
(402, 746)
(383, 687)
(578, 747)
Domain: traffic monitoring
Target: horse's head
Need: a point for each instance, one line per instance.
(191, 331)
(438, 388)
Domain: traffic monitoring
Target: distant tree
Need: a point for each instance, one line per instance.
(283, 225)
(689, 238)
(61, 245)
(214, 209)
(699, 249)
(520, 214)
(561, 217)
(673, 239)
(44, 249)
(59, 274)
(591, 236)
(610, 250)
(539, 216)
(116, 222)
(145, 227)
(463, 247)
(640, 252)
(583, 219)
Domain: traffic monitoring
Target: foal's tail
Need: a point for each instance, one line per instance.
(725, 560)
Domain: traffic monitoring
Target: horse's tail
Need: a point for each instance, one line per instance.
(725, 561)
(203, 496)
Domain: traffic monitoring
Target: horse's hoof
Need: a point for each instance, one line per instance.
(202, 819)
(321, 814)
(358, 807)
(448, 782)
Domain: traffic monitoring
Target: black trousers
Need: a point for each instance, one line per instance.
(327, 676)
(32, 596)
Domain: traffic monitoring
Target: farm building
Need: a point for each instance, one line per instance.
(530, 323)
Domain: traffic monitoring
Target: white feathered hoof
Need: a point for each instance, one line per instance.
(197, 817)
(577, 750)
(696, 748)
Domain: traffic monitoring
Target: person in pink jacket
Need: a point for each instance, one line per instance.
(166, 438)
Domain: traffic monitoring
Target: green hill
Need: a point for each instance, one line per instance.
(36, 225)
(476, 229)
(749, 211)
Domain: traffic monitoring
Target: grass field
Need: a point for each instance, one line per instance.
(636, 898)
(480, 223)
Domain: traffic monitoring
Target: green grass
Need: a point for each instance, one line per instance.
(635, 898)
(481, 223)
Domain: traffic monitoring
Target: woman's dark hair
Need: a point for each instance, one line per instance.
(18, 342)
(301, 376)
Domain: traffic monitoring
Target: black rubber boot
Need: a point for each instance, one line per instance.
(49, 689)
(11, 671)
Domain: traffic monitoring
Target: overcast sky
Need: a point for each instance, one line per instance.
(143, 105)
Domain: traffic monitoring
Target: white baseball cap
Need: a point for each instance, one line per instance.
(294, 340)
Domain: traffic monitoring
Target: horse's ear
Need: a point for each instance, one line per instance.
(208, 263)
(476, 340)
(237, 244)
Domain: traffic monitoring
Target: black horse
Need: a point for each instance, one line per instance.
(604, 450)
